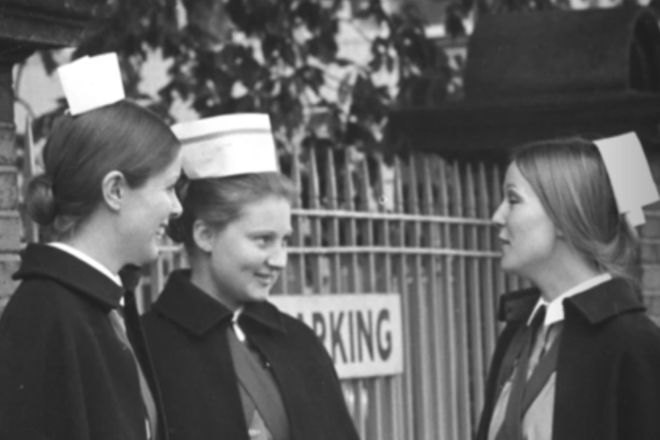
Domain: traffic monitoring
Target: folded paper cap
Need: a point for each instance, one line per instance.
(91, 82)
(227, 145)
(629, 174)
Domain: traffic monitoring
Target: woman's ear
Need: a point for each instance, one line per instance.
(202, 235)
(113, 188)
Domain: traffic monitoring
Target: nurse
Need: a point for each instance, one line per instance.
(69, 370)
(578, 358)
(230, 364)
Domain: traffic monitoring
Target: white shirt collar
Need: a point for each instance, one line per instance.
(87, 259)
(555, 308)
(234, 322)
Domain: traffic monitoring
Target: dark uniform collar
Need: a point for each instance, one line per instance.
(197, 312)
(611, 298)
(518, 304)
(43, 261)
(597, 304)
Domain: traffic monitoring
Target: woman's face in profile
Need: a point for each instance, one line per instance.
(145, 213)
(526, 233)
(248, 255)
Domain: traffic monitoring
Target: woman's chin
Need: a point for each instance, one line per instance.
(260, 295)
(507, 267)
(148, 255)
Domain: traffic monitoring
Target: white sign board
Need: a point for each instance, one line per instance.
(362, 333)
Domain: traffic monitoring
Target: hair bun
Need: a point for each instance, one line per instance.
(40, 202)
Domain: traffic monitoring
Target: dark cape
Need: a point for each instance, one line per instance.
(64, 374)
(608, 367)
(187, 333)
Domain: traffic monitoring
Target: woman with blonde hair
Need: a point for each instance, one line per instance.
(230, 364)
(578, 359)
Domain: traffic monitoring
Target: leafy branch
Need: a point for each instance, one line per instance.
(282, 57)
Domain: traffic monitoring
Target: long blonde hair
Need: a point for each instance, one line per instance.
(569, 177)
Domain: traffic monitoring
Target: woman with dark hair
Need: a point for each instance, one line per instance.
(578, 358)
(68, 369)
(229, 363)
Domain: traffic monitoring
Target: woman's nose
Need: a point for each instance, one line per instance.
(176, 207)
(498, 215)
(278, 257)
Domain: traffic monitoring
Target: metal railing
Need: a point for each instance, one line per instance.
(420, 226)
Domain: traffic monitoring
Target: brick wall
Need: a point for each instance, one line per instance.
(650, 235)
(10, 223)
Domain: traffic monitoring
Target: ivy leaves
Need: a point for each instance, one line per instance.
(283, 57)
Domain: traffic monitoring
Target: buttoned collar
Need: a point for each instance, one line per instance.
(51, 262)
(197, 312)
(554, 310)
(595, 304)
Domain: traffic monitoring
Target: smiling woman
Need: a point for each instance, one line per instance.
(578, 344)
(67, 369)
(230, 364)
(243, 223)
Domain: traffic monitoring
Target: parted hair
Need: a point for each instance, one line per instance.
(220, 201)
(82, 149)
(569, 177)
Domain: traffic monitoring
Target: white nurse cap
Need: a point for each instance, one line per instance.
(629, 174)
(227, 145)
(91, 82)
